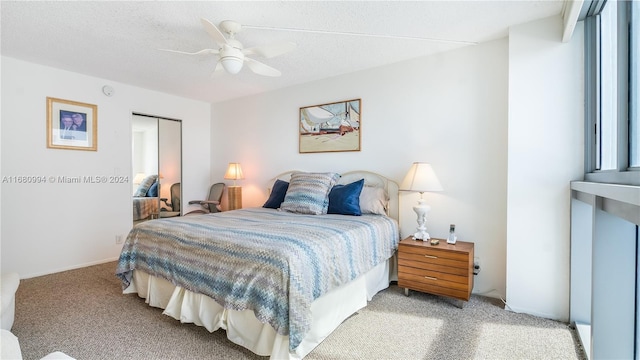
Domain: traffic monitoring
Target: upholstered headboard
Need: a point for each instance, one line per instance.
(370, 179)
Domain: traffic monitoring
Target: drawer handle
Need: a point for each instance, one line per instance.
(430, 278)
(431, 256)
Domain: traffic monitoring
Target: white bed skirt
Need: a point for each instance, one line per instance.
(242, 327)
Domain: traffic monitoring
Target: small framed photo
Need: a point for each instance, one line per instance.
(71, 125)
(330, 127)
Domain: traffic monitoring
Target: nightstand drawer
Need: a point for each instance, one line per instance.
(436, 290)
(431, 276)
(441, 253)
(428, 261)
(409, 261)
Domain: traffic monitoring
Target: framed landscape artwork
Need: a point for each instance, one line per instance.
(71, 125)
(330, 127)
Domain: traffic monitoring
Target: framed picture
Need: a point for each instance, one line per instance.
(71, 125)
(330, 127)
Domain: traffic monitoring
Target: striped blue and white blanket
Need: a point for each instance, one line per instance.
(272, 262)
(143, 207)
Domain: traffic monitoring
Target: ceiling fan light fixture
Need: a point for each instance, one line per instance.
(231, 64)
(231, 58)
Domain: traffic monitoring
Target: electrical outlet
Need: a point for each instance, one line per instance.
(476, 265)
(119, 239)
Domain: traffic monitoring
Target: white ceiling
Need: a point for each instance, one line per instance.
(119, 41)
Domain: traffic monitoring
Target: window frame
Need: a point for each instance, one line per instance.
(623, 174)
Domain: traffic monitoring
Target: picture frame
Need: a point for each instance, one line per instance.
(331, 127)
(71, 125)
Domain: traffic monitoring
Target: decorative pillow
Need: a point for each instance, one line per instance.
(153, 190)
(373, 200)
(145, 185)
(276, 197)
(308, 193)
(345, 199)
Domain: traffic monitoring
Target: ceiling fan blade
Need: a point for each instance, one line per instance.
(218, 70)
(203, 51)
(269, 51)
(260, 68)
(213, 31)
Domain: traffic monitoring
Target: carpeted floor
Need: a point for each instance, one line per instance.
(84, 314)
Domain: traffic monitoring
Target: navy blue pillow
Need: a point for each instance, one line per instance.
(345, 199)
(276, 197)
(153, 190)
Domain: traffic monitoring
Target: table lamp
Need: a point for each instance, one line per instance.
(234, 172)
(421, 178)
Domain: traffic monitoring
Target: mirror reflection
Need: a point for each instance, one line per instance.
(156, 167)
(169, 155)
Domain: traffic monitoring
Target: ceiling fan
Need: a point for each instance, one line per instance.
(232, 55)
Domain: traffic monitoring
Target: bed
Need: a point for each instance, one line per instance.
(145, 199)
(144, 207)
(278, 280)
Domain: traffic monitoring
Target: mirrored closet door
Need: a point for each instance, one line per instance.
(156, 167)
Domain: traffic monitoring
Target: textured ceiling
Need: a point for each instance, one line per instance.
(119, 41)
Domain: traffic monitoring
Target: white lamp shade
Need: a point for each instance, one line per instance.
(421, 178)
(231, 64)
(231, 56)
(234, 172)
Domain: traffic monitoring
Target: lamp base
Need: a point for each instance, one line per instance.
(421, 210)
(234, 194)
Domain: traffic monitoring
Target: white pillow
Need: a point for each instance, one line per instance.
(373, 200)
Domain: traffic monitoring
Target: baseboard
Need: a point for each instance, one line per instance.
(493, 293)
(584, 334)
(74, 267)
(534, 313)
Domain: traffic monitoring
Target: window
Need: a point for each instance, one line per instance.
(606, 144)
(634, 85)
(612, 93)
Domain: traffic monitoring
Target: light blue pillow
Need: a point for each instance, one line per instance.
(308, 193)
(345, 199)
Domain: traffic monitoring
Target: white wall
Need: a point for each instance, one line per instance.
(545, 152)
(449, 110)
(52, 227)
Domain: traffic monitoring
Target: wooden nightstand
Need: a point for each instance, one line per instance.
(442, 269)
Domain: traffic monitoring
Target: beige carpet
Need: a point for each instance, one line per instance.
(84, 314)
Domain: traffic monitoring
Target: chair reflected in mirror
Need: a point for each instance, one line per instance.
(212, 203)
(171, 209)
